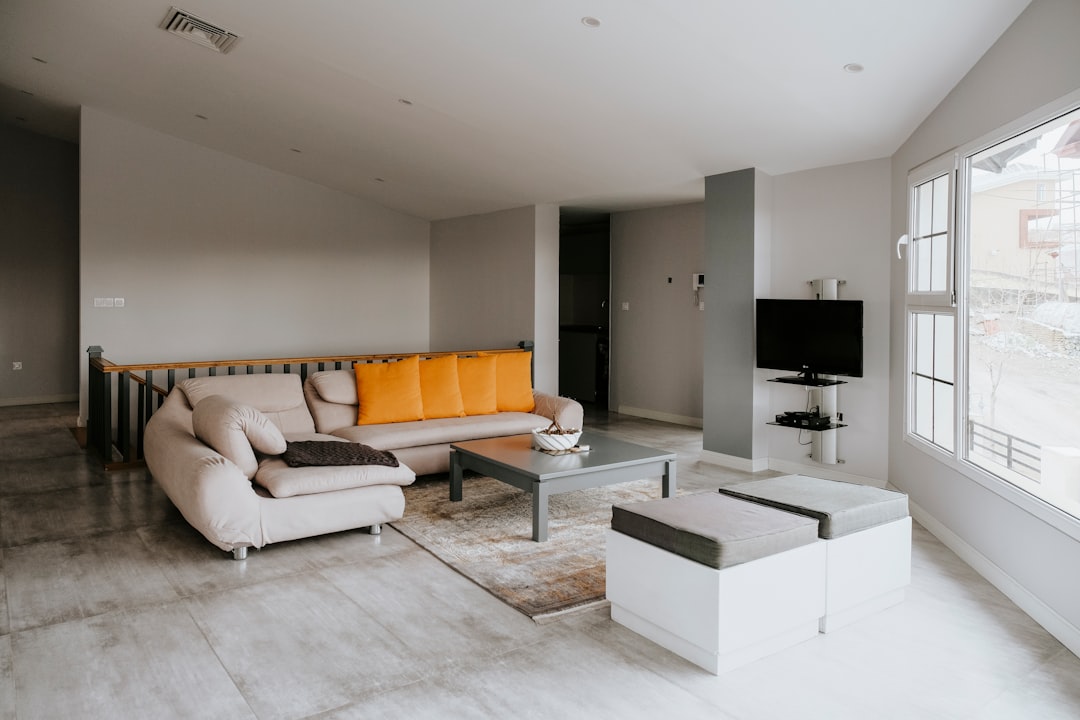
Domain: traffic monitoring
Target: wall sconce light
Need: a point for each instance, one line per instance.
(903, 240)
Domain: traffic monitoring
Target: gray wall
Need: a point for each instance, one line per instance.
(39, 270)
(494, 282)
(218, 258)
(546, 300)
(656, 345)
(1029, 552)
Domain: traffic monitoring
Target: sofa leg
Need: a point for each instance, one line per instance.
(375, 529)
(239, 553)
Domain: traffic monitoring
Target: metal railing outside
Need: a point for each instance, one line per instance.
(1012, 452)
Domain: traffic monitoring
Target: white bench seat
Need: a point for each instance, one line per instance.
(714, 579)
(867, 533)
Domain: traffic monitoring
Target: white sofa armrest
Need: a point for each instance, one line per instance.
(568, 412)
(211, 492)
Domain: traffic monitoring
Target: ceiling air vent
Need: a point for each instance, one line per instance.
(193, 28)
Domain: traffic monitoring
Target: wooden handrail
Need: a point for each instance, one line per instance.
(110, 367)
(117, 416)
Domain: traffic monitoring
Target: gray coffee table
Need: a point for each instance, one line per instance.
(513, 461)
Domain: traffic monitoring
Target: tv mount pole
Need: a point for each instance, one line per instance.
(823, 443)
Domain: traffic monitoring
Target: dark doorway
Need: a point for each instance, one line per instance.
(584, 307)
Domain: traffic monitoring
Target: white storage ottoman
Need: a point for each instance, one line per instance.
(867, 533)
(716, 580)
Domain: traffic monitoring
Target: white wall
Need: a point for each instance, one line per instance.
(218, 258)
(657, 345)
(833, 222)
(484, 292)
(1029, 552)
(39, 269)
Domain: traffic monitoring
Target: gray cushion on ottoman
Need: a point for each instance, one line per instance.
(842, 508)
(713, 529)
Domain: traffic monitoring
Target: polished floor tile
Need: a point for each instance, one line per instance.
(53, 582)
(436, 616)
(298, 645)
(145, 663)
(5, 624)
(112, 606)
(7, 682)
(54, 442)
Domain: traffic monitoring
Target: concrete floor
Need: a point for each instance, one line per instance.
(111, 606)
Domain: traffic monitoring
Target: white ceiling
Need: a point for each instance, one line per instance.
(514, 102)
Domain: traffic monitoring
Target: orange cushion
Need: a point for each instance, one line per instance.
(513, 382)
(389, 392)
(439, 388)
(476, 378)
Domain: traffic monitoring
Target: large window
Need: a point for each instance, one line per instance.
(994, 309)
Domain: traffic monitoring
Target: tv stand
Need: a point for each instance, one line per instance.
(812, 381)
(821, 390)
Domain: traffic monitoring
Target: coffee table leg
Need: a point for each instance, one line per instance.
(540, 512)
(455, 476)
(669, 478)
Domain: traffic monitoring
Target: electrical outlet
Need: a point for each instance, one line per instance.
(17, 365)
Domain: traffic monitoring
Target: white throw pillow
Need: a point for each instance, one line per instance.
(236, 431)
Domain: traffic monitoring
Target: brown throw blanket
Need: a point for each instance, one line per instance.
(318, 452)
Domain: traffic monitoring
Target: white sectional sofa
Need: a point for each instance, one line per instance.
(215, 446)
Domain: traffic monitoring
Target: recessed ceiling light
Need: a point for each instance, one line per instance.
(44, 62)
(853, 68)
(590, 21)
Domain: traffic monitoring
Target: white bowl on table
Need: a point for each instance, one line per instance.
(542, 440)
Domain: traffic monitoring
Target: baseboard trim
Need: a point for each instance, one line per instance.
(1065, 632)
(661, 416)
(39, 400)
(825, 473)
(735, 463)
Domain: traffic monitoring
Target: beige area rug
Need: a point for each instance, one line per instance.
(487, 537)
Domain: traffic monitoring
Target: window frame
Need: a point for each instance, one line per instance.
(955, 460)
(935, 303)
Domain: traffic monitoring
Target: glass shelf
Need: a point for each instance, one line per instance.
(812, 382)
(830, 426)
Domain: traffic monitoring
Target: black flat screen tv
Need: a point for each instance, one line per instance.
(811, 337)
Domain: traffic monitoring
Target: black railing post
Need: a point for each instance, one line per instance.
(148, 412)
(528, 346)
(123, 416)
(99, 406)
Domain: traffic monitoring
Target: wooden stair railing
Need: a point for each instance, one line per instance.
(117, 413)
